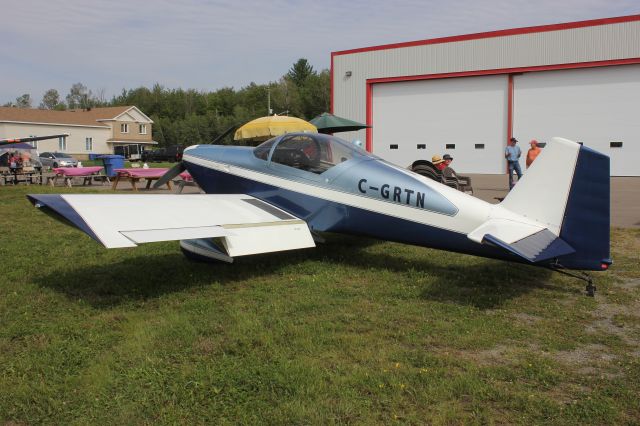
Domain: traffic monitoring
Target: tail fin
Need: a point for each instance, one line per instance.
(567, 190)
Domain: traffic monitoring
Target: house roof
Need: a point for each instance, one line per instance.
(72, 117)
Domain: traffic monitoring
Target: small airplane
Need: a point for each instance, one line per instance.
(280, 194)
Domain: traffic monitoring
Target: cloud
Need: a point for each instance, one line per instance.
(205, 44)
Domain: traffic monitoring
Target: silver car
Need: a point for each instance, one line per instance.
(57, 159)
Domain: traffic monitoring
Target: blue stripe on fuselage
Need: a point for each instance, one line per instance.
(323, 215)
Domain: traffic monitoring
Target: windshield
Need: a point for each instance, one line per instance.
(311, 152)
(61, 155)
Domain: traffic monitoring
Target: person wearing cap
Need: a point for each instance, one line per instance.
(463, 182)
(437, 161)
(533, 152)
(512, 153)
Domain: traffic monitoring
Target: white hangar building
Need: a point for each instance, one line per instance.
(467, 95)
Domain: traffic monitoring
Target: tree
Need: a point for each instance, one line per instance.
(79, 97)
(23, 101)
(300, 72)
(50, 99)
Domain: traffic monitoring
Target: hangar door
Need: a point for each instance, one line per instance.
(465, 117)
(596, 106)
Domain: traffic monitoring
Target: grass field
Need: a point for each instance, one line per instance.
(355, 331)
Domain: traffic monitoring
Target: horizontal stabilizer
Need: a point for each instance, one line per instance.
(529, 241)
(245, 225)
(507, 230)
(543, 245)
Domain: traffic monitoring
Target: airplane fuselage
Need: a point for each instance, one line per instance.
(363, 196)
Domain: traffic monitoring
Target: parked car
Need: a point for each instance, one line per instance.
(57, 159)
(171, 153)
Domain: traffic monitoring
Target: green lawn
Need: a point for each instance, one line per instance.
(354, 331)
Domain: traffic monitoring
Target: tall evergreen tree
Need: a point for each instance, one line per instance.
(300, 72)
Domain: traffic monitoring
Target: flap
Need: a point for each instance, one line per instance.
(123, 220)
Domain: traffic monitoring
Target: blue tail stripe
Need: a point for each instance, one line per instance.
(586, 224)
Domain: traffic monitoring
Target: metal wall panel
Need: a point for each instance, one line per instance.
(595, 106)
(463, 117)
(616, 41)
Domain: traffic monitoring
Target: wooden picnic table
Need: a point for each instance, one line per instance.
(134, 175)
(88, 174)
(15, 175)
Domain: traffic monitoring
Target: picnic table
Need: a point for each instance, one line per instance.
(86, 173)
(15, 175)
(135, 174)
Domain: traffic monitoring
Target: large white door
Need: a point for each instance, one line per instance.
(465, 117)
(597, 106)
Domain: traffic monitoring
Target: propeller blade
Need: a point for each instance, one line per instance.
(179, 168)
(225, 133)
(171, 173)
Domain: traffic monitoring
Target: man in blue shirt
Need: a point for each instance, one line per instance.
(512, 154)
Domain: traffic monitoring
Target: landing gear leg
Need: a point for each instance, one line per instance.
(590, 288)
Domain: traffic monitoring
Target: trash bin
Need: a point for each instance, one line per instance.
(111, 163)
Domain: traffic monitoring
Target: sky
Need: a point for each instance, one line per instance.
(208, 44)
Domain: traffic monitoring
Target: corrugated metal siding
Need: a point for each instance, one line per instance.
(587, 44)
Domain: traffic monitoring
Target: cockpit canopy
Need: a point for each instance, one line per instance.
(310, 152)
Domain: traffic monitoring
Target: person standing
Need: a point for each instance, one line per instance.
(533, 152)
(512, 153)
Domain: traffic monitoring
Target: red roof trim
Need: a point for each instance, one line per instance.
(506, 70)
(510, 71)
(331, 87)
(499, 33)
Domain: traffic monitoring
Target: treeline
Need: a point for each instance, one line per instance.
(187, 117)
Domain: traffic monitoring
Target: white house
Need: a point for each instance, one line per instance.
(91, 131)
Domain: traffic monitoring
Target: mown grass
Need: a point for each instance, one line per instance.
(355, 331)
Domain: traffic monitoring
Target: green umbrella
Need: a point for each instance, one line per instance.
(329, 123)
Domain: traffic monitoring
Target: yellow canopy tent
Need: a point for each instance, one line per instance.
(264, 128)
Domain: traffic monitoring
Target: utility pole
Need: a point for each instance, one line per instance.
(269, 110)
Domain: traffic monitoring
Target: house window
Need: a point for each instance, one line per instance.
(422, 146)
(62, 143)
(479, 146)
(450, 146)
(393, 146)
(615, 144)
(88, 144)
(124, 128)
(143, 129)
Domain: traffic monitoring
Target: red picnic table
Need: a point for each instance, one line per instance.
(134, 175)
(87, 173)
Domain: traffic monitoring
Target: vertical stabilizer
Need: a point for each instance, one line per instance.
(567, 190)
(543, 191)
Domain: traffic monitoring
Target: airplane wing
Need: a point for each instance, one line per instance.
(31, 139)
(246, 224)
(531, 242)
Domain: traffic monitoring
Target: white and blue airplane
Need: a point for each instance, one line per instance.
(280, 194)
